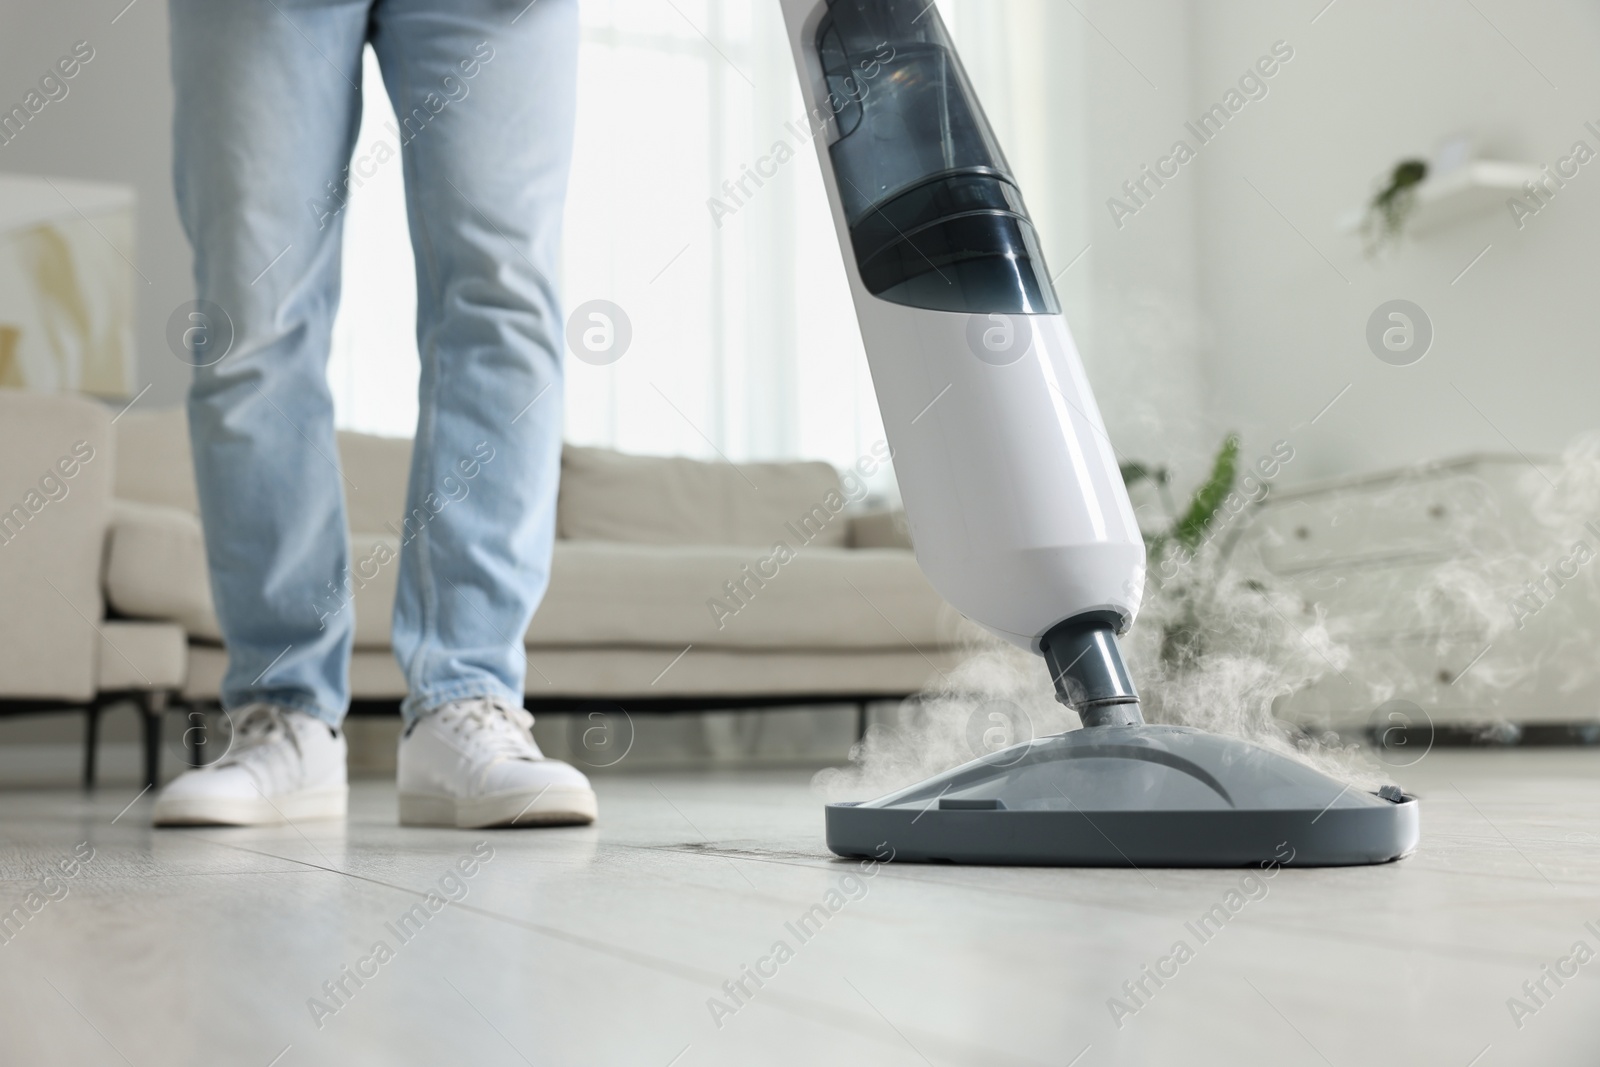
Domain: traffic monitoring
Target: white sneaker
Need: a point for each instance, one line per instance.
(283, 766)
(474, 763)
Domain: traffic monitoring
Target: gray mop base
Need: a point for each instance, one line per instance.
(1142, 795)
(1336, 837)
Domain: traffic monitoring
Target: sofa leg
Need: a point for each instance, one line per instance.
(202, 719)
(153, 705)
(861, 721)
(195, 734)
(91, 742)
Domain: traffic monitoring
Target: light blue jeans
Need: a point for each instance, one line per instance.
(268, 108)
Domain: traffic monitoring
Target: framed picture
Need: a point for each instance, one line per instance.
(66, 286)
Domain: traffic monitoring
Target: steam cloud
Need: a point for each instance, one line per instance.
(1229, 640)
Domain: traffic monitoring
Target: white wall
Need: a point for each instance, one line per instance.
(1205, 312)
(1373, 82)
(1208, 311)
(1080, 94)
(115, 125)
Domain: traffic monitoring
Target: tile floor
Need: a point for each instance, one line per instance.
(605, 945)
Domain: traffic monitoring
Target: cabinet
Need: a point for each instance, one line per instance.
(1418, 572)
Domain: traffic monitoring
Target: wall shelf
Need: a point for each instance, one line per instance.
(1472, 189)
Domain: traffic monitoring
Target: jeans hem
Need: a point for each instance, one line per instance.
(417, 705)
(300, 704)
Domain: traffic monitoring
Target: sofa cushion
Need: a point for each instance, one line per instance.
(601, 594)
(153, 459)
(608, 593)
(376, 472)
(666, 500)
(823, 598)
(885, 528)
(605, 495)
(156, 567)
(602, 674)
(155, 466)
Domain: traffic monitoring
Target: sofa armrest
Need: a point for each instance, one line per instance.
(55, 500)
(156, 567)
(879, 529)
(142, 655)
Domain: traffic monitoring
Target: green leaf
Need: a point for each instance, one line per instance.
(1209, 497)
(1407, 173)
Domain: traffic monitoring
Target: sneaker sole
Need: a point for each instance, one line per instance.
(552, 806)
(307, 805)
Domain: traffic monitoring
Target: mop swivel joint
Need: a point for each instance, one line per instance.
(1088, 671)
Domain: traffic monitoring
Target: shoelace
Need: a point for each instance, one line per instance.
(256, 733)
(503, 730)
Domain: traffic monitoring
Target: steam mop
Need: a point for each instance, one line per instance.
(1013, 496)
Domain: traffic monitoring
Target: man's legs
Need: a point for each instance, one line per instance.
(484, 92)
(267, 113)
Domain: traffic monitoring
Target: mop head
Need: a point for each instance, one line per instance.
(1131, 796)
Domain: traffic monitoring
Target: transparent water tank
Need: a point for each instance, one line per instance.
(936, 219)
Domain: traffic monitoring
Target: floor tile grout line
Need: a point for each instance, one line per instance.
(823, 867)
(906, 872)
(815, 1010)
(1292, 926)
(643, 959)
(696, 829)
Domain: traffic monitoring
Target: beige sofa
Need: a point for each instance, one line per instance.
(57, 648)
(646, 546)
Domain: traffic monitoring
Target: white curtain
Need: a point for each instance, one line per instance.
(744, 343)
(373, 367)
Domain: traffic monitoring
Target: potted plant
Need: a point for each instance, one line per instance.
(1384, 222)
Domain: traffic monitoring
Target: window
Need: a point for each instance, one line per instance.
(744, 341)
